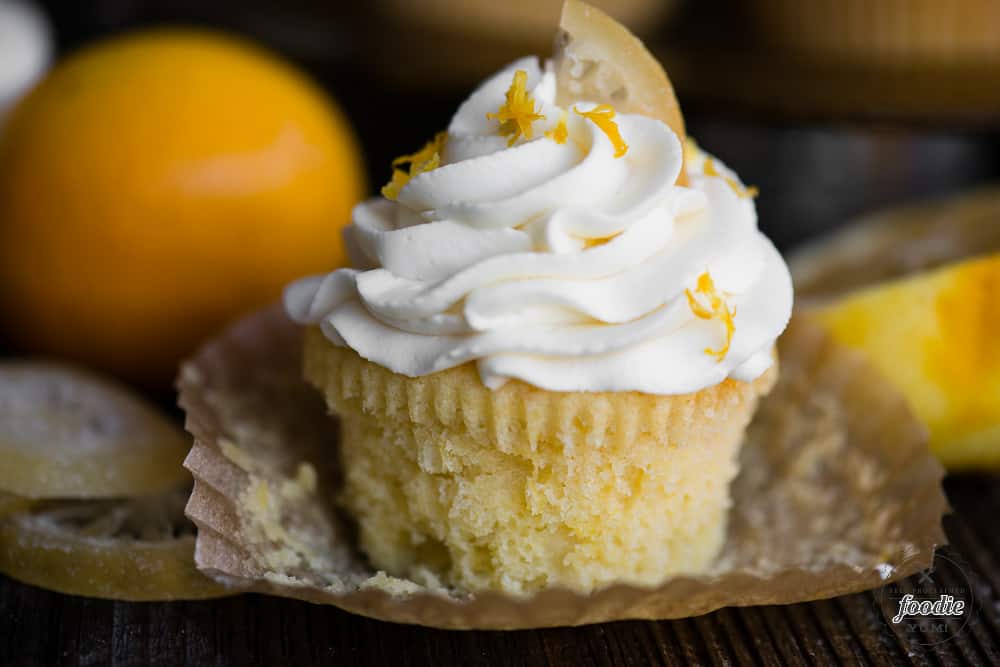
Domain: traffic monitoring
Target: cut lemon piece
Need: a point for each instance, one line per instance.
(139, 549)
(598, 60)
(67, 433)
(934, 335)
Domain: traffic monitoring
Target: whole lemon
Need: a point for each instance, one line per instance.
(157, 185)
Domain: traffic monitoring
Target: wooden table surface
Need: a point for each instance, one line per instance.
(39, 627)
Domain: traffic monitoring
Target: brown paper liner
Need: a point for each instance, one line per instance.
(896, 242)
(838, 493)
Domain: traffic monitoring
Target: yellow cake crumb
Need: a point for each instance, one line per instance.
(520, 489)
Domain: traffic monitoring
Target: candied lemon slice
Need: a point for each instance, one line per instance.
(136, 549)
(67, 433)
(598, 60)
(934, 335)
(9, 504)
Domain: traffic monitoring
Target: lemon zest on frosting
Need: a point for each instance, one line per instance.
(518, 113)
(711, 306)
(560, 132)
(691, 150)
(425, 159)
(741, 191)
(602, 116)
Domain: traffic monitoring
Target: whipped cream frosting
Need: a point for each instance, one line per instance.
(557, 264)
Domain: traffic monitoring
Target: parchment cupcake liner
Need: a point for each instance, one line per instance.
(897, 241)
(837, 494)
(517, 417)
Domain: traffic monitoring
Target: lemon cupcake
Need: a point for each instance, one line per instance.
(548, 350)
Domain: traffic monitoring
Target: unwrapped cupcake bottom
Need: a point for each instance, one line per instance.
(575, 505)
(436, 503)
(836, 493)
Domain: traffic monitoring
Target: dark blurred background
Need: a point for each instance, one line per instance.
(825, 137)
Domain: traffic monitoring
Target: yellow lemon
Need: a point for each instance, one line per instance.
(155, 186)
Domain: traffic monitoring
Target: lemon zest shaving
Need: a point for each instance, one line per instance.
(711, 306)
(518, 113)
(425, 159)
(560, 132)
(593, 243)
(691, 150)
(741, 191)
(602, 116)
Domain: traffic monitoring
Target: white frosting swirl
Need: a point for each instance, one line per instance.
(556, 264)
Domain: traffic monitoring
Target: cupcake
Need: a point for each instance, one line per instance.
(547, 351)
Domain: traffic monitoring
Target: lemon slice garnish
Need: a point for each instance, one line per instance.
(598, 60)
(67, 433)
(138, 549)
(934, 335)
(11, 504)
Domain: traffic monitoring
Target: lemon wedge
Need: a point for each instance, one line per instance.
(934, 335)
(598, 60)
(137, 549)
(67, 433)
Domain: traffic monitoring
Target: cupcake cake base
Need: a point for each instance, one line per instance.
(521, 489)
(816, 443)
